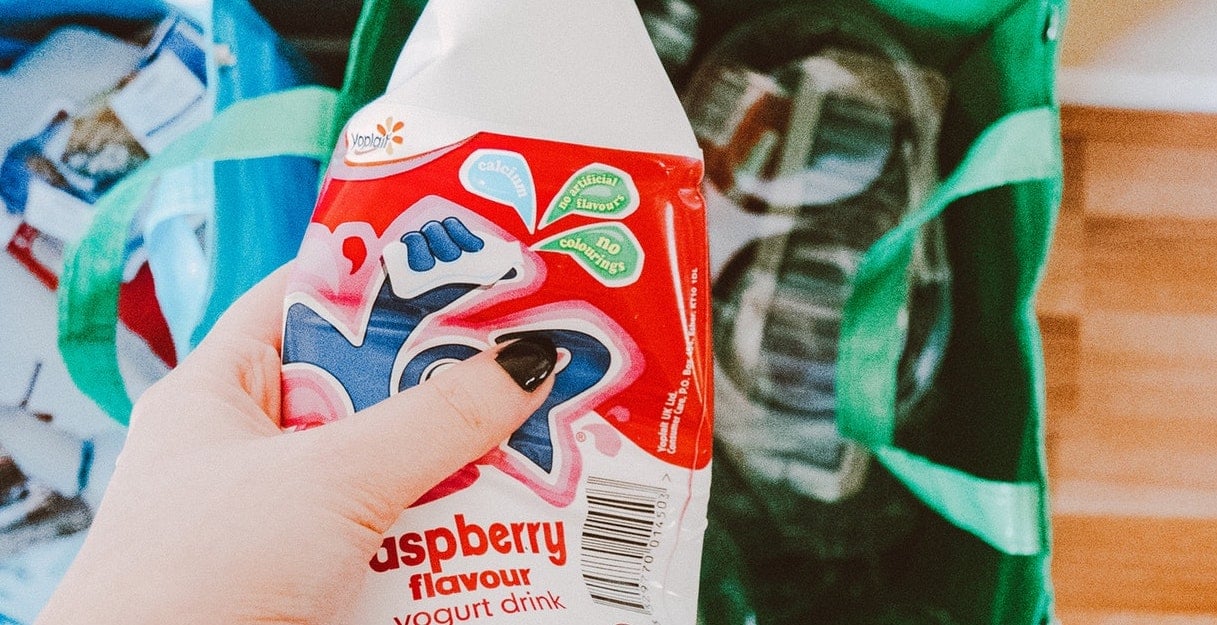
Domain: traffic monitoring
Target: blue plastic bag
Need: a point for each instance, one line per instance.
(209, 231)
(263, 205)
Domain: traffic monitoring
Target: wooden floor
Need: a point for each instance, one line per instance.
(1128, 310)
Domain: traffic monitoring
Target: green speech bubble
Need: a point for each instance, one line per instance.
(607, 251)
(597, 190)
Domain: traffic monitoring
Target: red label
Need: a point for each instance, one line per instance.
(461, 248)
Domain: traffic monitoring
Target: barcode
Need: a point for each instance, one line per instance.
(622, 529)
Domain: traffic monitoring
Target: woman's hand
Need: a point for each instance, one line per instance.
(215, 515)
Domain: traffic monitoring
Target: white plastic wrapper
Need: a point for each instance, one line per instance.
(530, 170)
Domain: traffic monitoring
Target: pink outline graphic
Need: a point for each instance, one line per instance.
(312, 396)
(326, 281)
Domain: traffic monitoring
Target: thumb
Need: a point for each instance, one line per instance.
(388, 455)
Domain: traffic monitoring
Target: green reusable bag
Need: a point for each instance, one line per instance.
(972, 546)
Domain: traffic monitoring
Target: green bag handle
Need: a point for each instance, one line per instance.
(1021, 147)
(293, 122)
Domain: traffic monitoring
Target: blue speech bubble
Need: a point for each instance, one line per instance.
(503, 177)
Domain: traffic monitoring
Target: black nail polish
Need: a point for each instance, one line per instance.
(528, 360)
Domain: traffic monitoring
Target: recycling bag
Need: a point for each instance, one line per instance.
(215, 227)
(882, 179)
(93, 94)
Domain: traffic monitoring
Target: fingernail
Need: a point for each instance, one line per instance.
(528, 360)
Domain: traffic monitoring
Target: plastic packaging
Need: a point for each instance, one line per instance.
(521, 175)
(50, 180)
(86, 61)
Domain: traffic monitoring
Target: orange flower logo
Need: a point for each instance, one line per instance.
(389, 131)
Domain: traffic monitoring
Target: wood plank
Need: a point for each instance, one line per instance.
(1106, 563)
(1060, 336)
(1117, 497)
(1061, 290)
(1107, 617)
(1143, 418)
(1060, 343)
(1149, 181)
(1161, 265)
(1073, 198)
(1164, 452)
(1159, 128)
(1059, 302)
(1147, 365)
(1133, 452)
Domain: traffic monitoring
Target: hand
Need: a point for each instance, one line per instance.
(214, 515)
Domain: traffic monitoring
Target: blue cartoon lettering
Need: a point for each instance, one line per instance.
(364, 370)
(433, 268)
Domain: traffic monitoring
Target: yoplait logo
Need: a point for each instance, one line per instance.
(384, 138)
